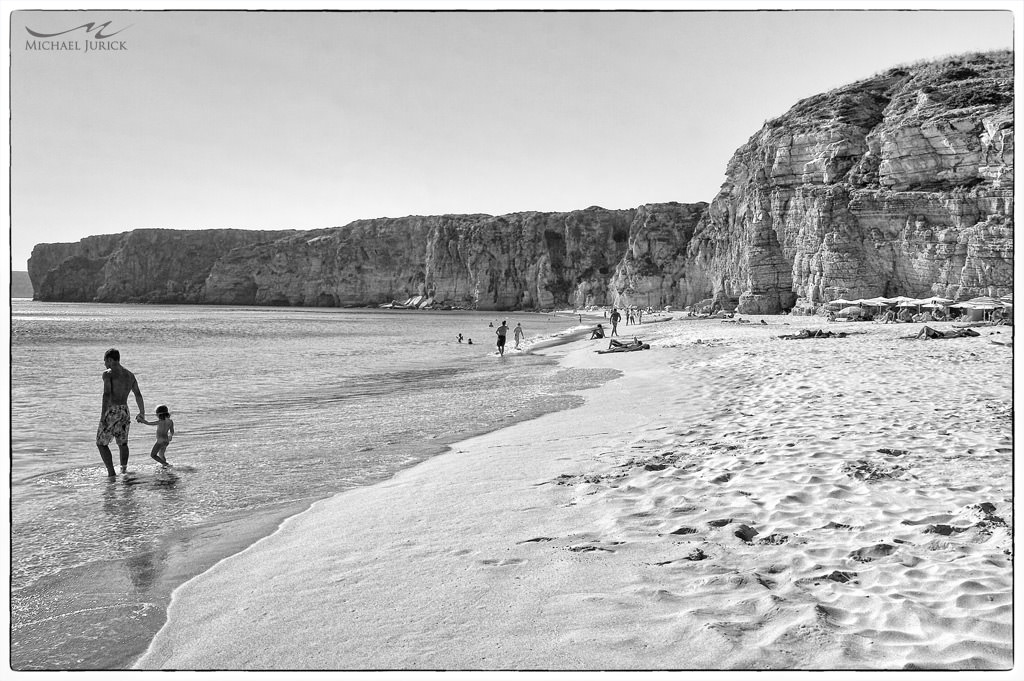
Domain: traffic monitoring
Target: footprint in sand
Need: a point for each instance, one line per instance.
(774, 539)
(832, 525)
(535, 539)
(587, 548)
(501, 562)
(870, 553)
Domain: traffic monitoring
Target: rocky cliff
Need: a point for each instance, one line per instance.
(144, 265)
(522, 260)
(900, 184)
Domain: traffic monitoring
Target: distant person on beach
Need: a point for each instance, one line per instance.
(929, 332)
(460, 337)
(518, 333)
(164, 433)
(598, 332)
(615, 322)
(469, 342)
(500, 332)
(115, 420)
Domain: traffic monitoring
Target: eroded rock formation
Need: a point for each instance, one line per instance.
(900, 184)
(143, 266)
(521, 260)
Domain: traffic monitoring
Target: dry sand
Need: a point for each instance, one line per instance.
(741, 503)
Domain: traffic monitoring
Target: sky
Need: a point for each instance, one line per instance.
(304, 120)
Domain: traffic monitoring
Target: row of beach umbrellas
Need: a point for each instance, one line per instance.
(979, 303)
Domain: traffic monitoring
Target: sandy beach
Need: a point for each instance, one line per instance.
(734, 501)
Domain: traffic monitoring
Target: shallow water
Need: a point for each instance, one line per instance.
(273, 408)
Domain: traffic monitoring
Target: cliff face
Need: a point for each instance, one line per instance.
(145, 265)
(900, 184)
(656, 269)
(522, 260)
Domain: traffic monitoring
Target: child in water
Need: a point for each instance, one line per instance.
(164, 433)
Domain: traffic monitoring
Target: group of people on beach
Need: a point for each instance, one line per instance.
(614, 318)
(502, 332)
(115, 419)
(904, 315)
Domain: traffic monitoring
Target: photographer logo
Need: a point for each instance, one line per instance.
(90, 37)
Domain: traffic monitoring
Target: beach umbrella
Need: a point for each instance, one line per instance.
(840, 301)
(984, 303)
(911, 302)
(936, 300)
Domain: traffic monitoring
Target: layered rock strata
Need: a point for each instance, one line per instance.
(516, 261)
(900, 184)
(141, 266)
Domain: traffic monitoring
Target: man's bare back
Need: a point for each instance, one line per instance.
(118, 382)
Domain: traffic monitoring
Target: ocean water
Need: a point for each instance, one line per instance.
(273, 409)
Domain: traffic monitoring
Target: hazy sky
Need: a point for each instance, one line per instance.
(266, 120)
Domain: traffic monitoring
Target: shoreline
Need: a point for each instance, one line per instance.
(135, 591)
(474, 559)
(140, 584)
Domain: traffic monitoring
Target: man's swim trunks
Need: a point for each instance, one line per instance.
(114, 425)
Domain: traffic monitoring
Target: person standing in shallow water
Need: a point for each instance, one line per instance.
(164, 433)
(115, 420)
(501, 331)
(519, 334)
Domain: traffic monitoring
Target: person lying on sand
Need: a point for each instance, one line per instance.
(807, 333)
(929, 332)
(619, 346)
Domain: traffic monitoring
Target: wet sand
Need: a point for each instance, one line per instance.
(103, 615)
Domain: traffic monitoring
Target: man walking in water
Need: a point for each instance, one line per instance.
(501, 331)
(115, 418)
